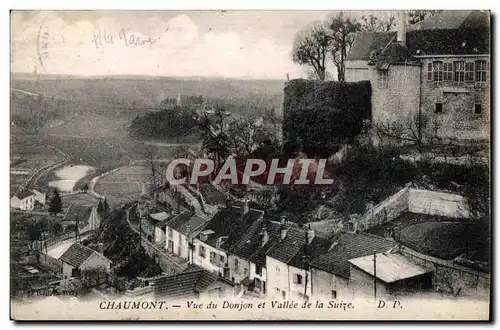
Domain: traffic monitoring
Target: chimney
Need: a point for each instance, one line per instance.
(282, 227)
(228, 202)
(401, 28)
(310, 234)
(264, 237)
(245, 206)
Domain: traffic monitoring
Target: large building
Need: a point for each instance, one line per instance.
(433, 75)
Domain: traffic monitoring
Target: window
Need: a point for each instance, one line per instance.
(478, 107)
(469, 71)
(297, 279)
(264, 287)
(170, 233)
(201, 251)
(438, 108)
(277, 269)
(258, 270)
(459, 70)
(283, 294)
(447, 71)
(429, 71)
(382, 80)
(437, 67)
(334, 294)
(481, 71)
(213, 259)
(221, 259)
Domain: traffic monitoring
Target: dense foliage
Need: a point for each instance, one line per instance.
(336, 109)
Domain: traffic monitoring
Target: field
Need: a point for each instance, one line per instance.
(123, 185)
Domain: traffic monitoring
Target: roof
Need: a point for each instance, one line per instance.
(449, 32)
(76, 255)
(24, 194)
(248, 247)
(365, 42)
(186, 223)
(230, 223)
(79, 213)
(350, 246)
(185, 285)
(391, 267)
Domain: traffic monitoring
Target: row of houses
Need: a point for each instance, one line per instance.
(245, 253)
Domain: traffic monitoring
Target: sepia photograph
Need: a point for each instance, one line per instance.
(250, 165)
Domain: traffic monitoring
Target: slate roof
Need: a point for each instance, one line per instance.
(444, 33)
(24, 193)
(185, 285)
(186, 223)
(284, 250)
(248, 247)
(230, 222)
(350, 246)
(318, 246)
(76, 255)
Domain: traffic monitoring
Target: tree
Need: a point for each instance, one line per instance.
(415, 16)
(375, 24)
(311, 47)
(245, 135)
(55, 203)
(214, 132)
(343, 32)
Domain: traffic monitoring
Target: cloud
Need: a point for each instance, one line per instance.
(173, 47)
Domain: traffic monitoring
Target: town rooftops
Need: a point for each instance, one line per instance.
(22, 194)
(391, 267)
(230, 224)
(447, 33)
(188, 284)
(187, 223)
(350, 246)
(76, 255)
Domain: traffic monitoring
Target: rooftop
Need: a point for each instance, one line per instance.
(185, 285)
(391, 267)
(350, 246)
(187, 223)
(24, 194)
(76, 255)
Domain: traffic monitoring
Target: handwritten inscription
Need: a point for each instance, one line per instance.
(104, 37)
(43, 44)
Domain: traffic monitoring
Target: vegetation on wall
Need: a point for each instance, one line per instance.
(336, 109)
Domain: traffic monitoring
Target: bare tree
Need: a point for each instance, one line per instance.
(245, 135)
(415, 16)
(214, 131)
(311, 47)
(375, 24)
(343, 31)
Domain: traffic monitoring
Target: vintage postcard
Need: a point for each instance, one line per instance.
(250, 165)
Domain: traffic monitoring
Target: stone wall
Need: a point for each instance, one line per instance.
(50, 263)
(451, 278)
(457, 119)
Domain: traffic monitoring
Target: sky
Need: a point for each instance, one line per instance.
(242, 44)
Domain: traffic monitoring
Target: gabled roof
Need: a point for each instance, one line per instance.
(391, 267)
(447, 33)
(248, 247)
(350, 246)
(230, 223)
(76, 255)
(187, 223)
(185, 285)
(24, 194)
(284, 250)
(365, 42)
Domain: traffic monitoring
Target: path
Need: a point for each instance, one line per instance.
(177, 265)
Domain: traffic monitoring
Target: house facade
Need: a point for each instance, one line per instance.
(79, 258)
(433, 75)
(23, 200)
(180, 231)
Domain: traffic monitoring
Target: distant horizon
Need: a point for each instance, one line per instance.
(152, 76)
